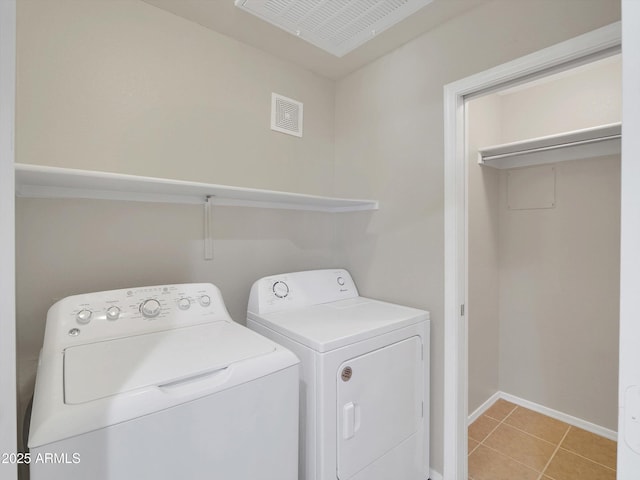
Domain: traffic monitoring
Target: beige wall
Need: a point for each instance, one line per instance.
(589, 96)
(558, 267)
(122, 86)
(389, 146)
(484, 119)
(559, 294)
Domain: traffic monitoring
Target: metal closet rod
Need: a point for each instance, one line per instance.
(551, 147)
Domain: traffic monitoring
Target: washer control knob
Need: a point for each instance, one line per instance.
(205, 300)
(150, 308)
(184, 303)
(83, 316)
(280, 289)
(340, 281)
(113, 313)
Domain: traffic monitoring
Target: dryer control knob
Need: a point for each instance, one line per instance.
(113, 313)
(205, 300)
(184, 303)
(83, 316)
(150, 308)
(280, 289)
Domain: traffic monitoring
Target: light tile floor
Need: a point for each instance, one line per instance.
(510, 442)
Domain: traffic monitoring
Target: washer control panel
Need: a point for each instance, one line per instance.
(100, 316)
(300, 289)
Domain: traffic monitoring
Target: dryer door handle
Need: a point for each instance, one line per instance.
(350, 420)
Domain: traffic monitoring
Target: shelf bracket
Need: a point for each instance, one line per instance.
(208, 238)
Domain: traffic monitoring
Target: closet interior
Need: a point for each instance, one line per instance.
(543, 253)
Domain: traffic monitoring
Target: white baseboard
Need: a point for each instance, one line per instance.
(549, 412)
(433, 475)
(563, 417)
(484, 407)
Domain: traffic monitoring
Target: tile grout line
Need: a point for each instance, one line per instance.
(474, 448)
(587, 458)
(554, 454)
(493, 430)
(524, 431)
(489, 434)
(501, 422)
(528, 467)
(515, 407)
(528, 433)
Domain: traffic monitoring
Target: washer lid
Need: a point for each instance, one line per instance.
(333, 325)
(108, 368)
(90, 387)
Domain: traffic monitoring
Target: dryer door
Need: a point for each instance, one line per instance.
(380, 398)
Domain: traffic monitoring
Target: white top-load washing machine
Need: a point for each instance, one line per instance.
(159, 383)
(364, 392)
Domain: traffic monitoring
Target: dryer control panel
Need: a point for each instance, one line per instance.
(300, 289)
(92, 317)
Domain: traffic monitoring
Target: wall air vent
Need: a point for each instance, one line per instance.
(337, 26)
(286, 115)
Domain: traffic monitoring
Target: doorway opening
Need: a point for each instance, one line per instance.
(544, 266)
(533, 186)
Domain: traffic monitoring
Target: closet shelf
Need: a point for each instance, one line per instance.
(574, 145)
(54, 182)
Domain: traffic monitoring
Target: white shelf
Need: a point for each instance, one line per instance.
(574, 145)
(54, 182)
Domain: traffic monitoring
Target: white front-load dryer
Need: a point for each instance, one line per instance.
(159, 383)
(364, 390)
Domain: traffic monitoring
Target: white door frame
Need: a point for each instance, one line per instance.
(582, 49)
(8, 414)
(629, 374)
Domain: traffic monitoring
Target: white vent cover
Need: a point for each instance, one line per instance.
(286, 115)
(337, 26)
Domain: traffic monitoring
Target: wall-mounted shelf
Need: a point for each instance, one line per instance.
(54, 182)
(574, 145)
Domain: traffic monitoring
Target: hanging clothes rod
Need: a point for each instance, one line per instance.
(551, 147)
(577, 144)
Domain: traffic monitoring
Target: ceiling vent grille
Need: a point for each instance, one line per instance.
(337, 26)
(286, 115)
